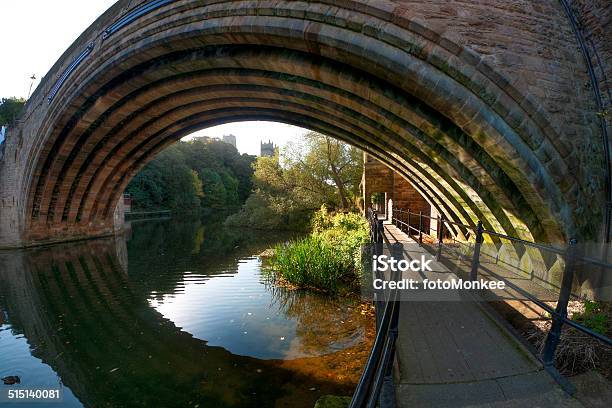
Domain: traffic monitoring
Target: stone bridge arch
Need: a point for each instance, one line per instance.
(486, 107)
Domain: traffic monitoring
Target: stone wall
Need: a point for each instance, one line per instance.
(400, 194)
(406, 197)
(376, 178)
(12, 222)
(541, 60)
(11, 225)
(594, 19)
(594, 23)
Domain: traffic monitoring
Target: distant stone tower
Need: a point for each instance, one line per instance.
(266, 149)
(231, 139)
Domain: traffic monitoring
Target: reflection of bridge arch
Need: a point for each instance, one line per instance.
(83, 317)
(465, 115)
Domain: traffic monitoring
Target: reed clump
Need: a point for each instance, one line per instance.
(329, 259)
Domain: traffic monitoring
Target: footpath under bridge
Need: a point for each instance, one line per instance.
(458, 353)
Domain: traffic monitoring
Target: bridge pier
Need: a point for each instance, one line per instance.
(14, 231)
(10, 225)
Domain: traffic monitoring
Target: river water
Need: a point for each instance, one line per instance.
(177, 313)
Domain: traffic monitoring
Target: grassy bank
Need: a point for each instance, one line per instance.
(329, 259)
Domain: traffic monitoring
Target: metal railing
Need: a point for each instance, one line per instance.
(123, 21)
(141, 215)
(376, 227)
(570, 254)
(377, 373)
(133, 15)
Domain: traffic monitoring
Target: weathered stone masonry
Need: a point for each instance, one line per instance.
(400, 194)
(486, 106)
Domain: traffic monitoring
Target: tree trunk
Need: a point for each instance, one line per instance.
(336, 176)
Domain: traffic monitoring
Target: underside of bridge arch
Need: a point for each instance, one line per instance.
(465, 135)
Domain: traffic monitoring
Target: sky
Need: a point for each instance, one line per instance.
(35, 33)
(249, 134)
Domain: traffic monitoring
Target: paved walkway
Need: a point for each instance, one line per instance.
(454, 354)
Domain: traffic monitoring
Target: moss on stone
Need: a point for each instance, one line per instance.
(332, 401)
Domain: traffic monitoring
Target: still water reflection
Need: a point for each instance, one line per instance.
(178, 316)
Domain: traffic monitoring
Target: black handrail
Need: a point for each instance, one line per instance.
(559, 313)
(68, 71)
(550, 248)
(442, 220)
(378, 367)
(370, 383)
(122, 22)
(376, 227)
(132, 15)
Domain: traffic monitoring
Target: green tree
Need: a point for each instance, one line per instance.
(200, 175)
(214, 189)
(242, 169)
(292, 185)
(337, 164)
(10, 109)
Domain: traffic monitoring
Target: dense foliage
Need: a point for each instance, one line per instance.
(202, 175)
(329, 259)
(293, 184)
(10, 109)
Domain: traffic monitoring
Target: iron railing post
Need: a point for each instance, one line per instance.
(399, 218)
(554, 334)
(398, 253)
(440, 237)
(476, 257)
(375, 226)
(408, 230)
(372, 220)
(421, 228)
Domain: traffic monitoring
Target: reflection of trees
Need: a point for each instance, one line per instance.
(88, 319)
(161, 252)
(324, 324)
(83, 317)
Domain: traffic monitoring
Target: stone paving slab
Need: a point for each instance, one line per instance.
(531, 390)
